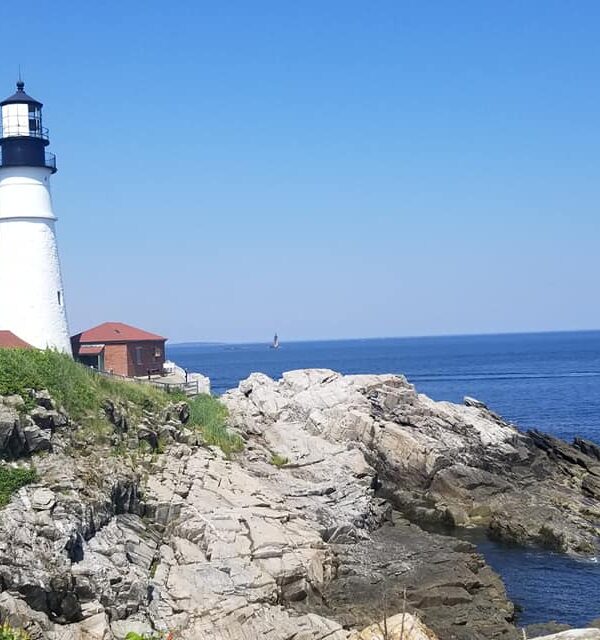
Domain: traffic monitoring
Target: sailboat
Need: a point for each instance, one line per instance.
(275, 344)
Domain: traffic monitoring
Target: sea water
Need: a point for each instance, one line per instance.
(547, 381)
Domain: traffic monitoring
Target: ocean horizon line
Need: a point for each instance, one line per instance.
(221, 343)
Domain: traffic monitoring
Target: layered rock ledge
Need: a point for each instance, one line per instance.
(313, 531)
(458, 465)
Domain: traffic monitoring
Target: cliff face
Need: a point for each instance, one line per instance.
(149, 530)
(439, 462)
(185, 540)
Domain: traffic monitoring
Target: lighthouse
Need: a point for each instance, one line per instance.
(32, 300)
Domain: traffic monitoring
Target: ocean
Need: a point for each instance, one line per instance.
(548, 381)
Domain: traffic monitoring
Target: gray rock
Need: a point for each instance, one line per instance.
(36, 439)
(19, 615)
(591, 449)
(20, 436)
(402, 626)
(146, 434)
(13, 401)
(573, 634)
(43, 399)
(192, 542)
(545, 628)
(473, 402)
(136, 623)
(117, 415)
(42, 499)
(48, 418)
(12, 440)
(440, 462)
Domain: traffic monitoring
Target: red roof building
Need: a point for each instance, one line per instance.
(120, 348)
(8, 340)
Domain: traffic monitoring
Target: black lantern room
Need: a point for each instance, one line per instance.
(23, 140)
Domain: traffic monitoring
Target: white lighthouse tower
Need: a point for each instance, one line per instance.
(32, 301)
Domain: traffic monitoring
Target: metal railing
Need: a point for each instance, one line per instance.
(190, 388)
(22, 131)
(49, 161)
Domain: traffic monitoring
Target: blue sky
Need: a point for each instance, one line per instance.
(326, 169)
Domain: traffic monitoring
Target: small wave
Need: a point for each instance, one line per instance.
(432, 377)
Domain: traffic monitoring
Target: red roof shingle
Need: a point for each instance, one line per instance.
(8, 340)
(115, 332)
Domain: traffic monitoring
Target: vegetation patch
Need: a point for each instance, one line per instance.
(10, 633)
(84, 393)
(11, 480)
(79, 389)
(279, 460)
(209, 416)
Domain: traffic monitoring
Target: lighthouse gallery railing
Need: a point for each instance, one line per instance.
(20, 130)
(49, 161)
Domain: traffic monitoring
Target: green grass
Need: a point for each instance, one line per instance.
(279, 460)
(157, 635)
(209, 416)
(78, 389)
(83, 393)
(10, 633)
(11, 480)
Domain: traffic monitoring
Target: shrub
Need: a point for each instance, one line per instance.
(10, 633)
(11, 480)
(132, 635)
(279, 460)
(209, 416)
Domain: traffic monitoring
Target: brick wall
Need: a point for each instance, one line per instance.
(115, 359)
(144, 356)
(133, 358)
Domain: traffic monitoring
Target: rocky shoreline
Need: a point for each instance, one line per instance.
(319, 528)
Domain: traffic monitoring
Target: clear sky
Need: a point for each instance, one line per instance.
(320, 168)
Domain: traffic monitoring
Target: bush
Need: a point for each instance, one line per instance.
(10, 633)
(11, 480)
(279, 460)
(209, 416)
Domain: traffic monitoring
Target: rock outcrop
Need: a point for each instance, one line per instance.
(21, 433)
(573, 634)
(438, 462)
(296, 537)
(398, 627)
(184, 541)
